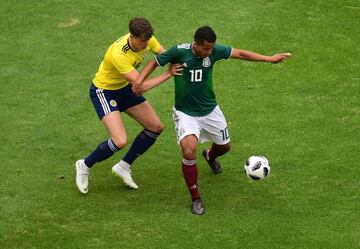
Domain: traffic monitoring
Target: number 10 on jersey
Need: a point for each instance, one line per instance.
(195, 75)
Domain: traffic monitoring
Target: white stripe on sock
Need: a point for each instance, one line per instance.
(112, 146)
(151, 134)
(188, 162)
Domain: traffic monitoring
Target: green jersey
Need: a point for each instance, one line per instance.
(194, 94)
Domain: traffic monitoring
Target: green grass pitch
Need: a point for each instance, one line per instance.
(303, 115)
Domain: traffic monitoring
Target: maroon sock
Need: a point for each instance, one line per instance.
(212, 154)
(216, 151)
(190, 174)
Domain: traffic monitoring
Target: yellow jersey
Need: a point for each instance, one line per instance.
(120, 59)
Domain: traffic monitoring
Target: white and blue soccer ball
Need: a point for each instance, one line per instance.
(257, 167)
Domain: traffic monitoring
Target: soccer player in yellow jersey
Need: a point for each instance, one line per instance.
(112, 94)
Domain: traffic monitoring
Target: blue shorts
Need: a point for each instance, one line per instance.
(106, 101)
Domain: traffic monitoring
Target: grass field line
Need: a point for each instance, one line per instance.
(71, 22)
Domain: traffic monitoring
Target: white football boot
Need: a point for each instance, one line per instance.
(82, 176)
(122, 170)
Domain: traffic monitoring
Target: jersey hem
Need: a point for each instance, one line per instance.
(109, 88)
(196, 114)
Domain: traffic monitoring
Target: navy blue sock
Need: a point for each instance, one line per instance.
(142, 142)
(104, 150)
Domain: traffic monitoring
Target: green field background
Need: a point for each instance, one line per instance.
(303, 115)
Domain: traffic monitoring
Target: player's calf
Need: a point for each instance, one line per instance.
(213, 164)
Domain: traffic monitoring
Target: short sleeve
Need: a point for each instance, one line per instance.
(222, 52)
(169, 56)
(121, 62)
(154, 45)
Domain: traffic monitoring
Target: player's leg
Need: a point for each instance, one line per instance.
(109, 114)
(215, 129)
(217, 150)
(211, 155)
(118, 139)
(138, 108)
(104, 150)
(188, 131)
(146, 116)
(111, 119)
(188, 148)
(117, 132)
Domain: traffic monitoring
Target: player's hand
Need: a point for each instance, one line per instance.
(175, 69)
(137, 89)
(277, 58)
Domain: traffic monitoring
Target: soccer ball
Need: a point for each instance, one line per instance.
(257, 167)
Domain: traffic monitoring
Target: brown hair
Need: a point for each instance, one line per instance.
(141, 28)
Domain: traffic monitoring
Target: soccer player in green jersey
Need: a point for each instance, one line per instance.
(196, 114)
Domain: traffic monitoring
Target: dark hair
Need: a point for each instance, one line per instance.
(205, 33)
(141, 28)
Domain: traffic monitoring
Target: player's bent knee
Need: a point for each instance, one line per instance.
(158, 128)
(189, 154)
(119, 143)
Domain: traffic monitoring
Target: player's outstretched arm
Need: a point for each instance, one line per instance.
(252, 56)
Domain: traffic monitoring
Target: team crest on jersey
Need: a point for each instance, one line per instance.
(113, 103)
(206, 62)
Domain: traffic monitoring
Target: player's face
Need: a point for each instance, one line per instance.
(138, 43)
(204, 49)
